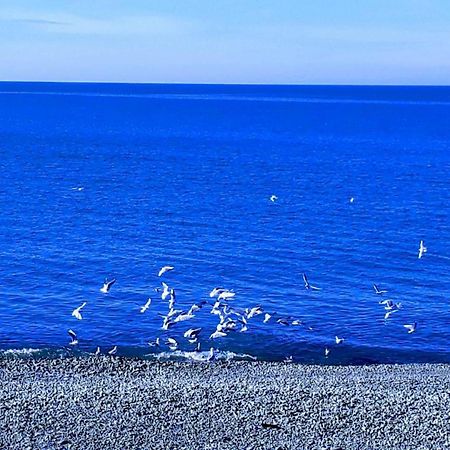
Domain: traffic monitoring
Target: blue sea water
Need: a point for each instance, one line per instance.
(182, 175)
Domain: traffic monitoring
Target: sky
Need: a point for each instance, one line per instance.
(226, 41)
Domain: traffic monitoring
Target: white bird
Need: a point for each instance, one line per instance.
(339, 340)
(211, 355)
(388, 314)
(73, 337)
(165, 269)
(217, 334)
(297, 322)
(411, 328)
(422, 250)
(273, 198)
(309, 286)
(327, 352)
(352, 199)
(166, 291)
(146, 306)
(379, 291)
(216, 291)
(107, 286)
(267, 317)
(77, 311)
(255, 311)
(155, 343)
(192, 334)
(182, 317)
(113, 351)
(172, 343)
(97, 352)
(225, 295)
(288, 359)
(78, 188)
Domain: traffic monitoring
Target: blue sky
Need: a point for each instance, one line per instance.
(227, 41)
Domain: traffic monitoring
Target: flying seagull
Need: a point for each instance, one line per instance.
(225, 295)
(113, 351)
(172, 343)
(77, 311)
(327, 352)
(165, 269)
(339, 340)
(379, 291)
(146, 306)
(192, 334)
(273, 198)
(309, 286)
(422, 250)
(267, 317)
(107, 285)
(411, 328)
(388, 314)
(74, 338)
(154, 343)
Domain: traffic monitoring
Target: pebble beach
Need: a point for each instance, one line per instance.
(118, 403)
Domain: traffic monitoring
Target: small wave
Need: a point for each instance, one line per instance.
(179, 355)
(20, 351)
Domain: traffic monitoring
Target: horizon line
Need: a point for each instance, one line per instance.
(181, 83)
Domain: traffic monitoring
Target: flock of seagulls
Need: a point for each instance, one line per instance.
(230, 319)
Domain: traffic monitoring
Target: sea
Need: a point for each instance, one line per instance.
(118, 180)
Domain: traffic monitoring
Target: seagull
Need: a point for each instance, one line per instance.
(166, 291)
(196, 307)
(411, 328)
(211, 354)
(146, 306)
(352, 199)
(165, 269)
(217, 334)
(378, 291)
(97, 352)
(422, 250)
(267, 317)
(113, 351)
(78, 188)
(182, 317)
(224, 295)
(388, 314)
(216, 291)
(309, 286)
(273, 198)
(107, 285)
(74, 338)
(172, 343)
(154, 343)
(192, 334)
(339, 340)
(288, 359)
(77, 311)
(283, 321)
(327, 352)
(255, 311)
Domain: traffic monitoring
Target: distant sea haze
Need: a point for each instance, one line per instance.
(245, 188)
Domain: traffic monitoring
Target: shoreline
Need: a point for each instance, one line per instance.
(120, 403)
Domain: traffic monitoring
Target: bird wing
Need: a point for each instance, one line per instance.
(110, 283)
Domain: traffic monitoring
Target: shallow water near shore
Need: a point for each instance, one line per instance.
(118, 180)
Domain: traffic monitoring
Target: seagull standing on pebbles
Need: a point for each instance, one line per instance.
(107, 285)
(73, 337)
(422, 250)
(146, 306)
(411, 328)
(165, 269)
(77, 311)
(339, 340)
(97, 352)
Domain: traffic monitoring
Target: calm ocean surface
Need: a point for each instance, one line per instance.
(182, 175)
